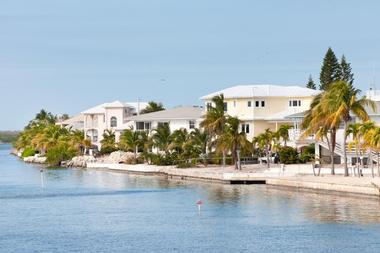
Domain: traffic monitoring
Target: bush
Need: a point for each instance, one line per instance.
(308, 154)
(288, 155)
(105, 150)
(28, 152)
(185, 165)
(59, 153)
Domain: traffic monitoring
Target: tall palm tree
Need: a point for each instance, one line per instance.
(315, 123)
(283, 133)
(78, 142)
(161, 138)
(214, 121)
(339, 101)
(232, 139)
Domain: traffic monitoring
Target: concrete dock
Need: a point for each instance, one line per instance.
(293, 176)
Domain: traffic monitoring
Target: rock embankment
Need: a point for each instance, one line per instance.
(81, 161)
(117, 157)
(35, 159)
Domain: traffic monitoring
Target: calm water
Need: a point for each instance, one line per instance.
(97, 211)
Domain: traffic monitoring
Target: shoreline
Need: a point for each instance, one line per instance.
(364, 186)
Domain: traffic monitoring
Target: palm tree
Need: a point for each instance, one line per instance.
(50, 136)
(315, 123)
(373, 139)
(78, 141)
(214, 120)
(366, 131)
(161, 138)
(283, 133)
(178, 140)
(153, 107)
(338, 102)
(354, 130)
(108, 142)
(133, 140)
(264, 142)
(232, 139)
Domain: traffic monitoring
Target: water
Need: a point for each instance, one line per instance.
(99, 211)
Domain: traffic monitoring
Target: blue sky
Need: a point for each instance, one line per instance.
(68, 55)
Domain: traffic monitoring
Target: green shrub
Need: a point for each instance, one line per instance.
(308, 154)
(59, 153)
(105, 150)
(29, 151)
(288, 155)
(185, 165)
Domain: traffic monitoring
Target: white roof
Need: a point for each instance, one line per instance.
(263, 90)
(72, 120)
(100, 109)
(178, 113)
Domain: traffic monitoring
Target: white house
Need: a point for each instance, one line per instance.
(187, 117)
(109, 116)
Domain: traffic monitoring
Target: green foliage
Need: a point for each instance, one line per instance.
(308, 154)
(310, 84)
(59, 153)
(330, 71)
(153, 107)
(288, 155)
(108, 142)
(185, 165)
(346, 74)
(28, 151)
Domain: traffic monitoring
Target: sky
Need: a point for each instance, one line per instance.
(69, 55)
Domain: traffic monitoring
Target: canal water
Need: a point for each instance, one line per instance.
(75, 210)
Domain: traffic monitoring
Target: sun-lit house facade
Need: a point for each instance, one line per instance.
(109, 116)
(264, 106)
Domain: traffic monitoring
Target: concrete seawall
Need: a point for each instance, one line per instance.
(292, 177)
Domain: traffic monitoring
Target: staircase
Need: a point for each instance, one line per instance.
(350, 152)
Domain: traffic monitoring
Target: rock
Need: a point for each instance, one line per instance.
(118, 157)
(35, 159)
(81, 161)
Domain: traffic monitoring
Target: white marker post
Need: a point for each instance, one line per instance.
(199, 204)
(42, 178)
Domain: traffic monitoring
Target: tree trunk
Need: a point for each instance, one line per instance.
(370, 158)
(332, 149)
(378, 167)
(344, 150)
(268, 158)
(224, 158)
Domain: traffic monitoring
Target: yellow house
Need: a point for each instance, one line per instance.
(264, 106)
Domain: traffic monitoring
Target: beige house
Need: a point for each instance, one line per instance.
(264, 106)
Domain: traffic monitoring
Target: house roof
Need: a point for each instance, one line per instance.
(263, 90)
(72, 120)
(288, 114)
(100, 109)
(185, 113)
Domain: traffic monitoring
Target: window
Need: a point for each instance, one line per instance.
(208, 106)
(191, 124)
(249, 103)
(245, 128)
(113, 122)
(294, 103)
(225, 106)
(260, 103)
(234, 103)
(161, 124)
(141, 126)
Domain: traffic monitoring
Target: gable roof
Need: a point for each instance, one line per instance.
(179, 113)
(100, 109)
(263, 90)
